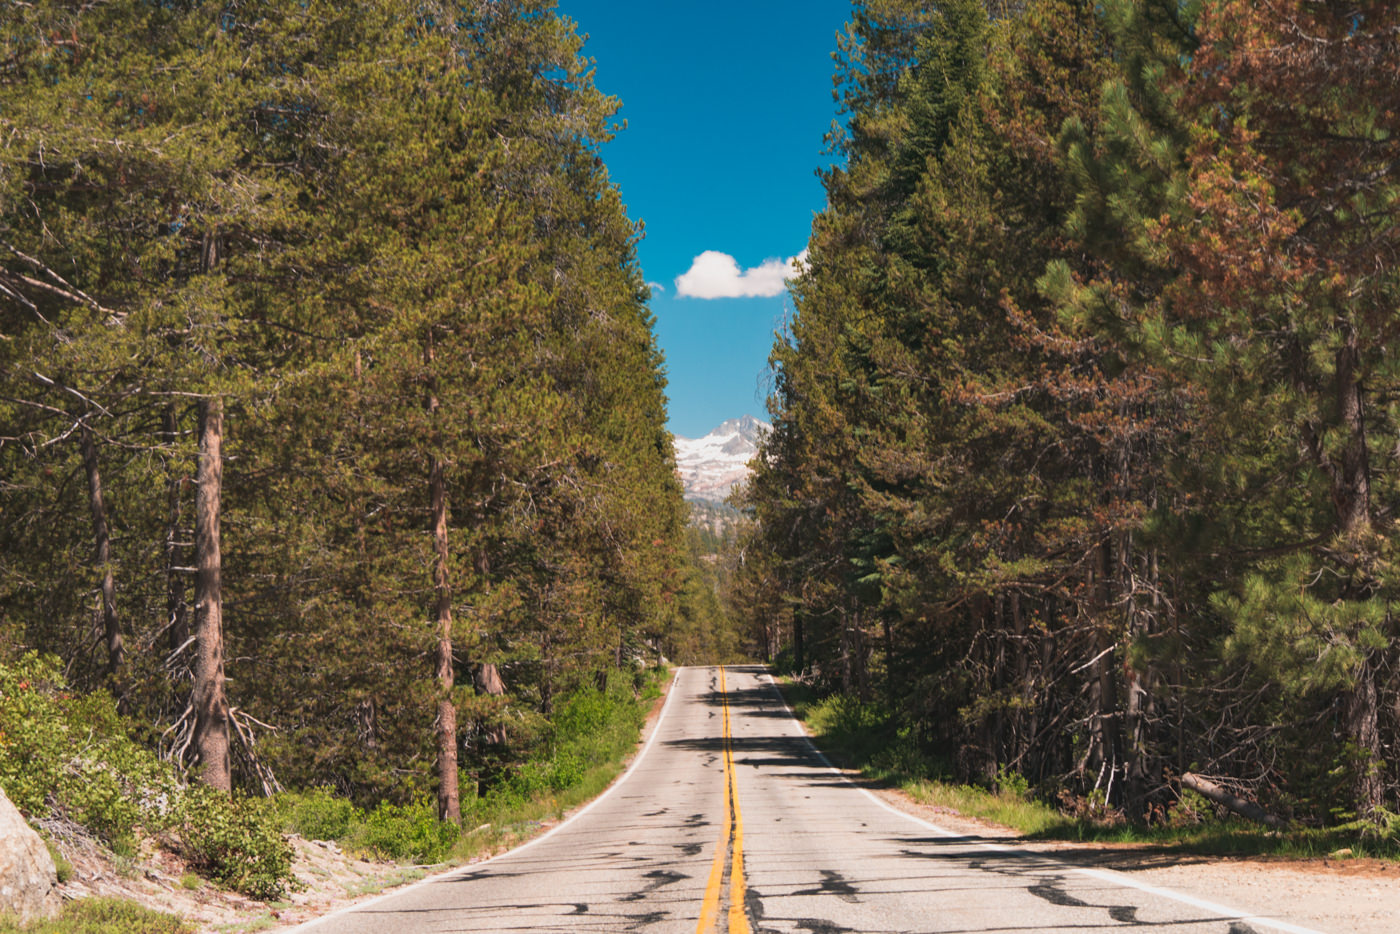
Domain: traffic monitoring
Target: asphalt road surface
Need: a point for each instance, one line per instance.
(730, 820)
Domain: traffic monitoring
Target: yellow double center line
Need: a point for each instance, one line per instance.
(731, 832)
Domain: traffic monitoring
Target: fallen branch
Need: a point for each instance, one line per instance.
(1241, 806)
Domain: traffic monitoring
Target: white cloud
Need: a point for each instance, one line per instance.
(713, 274)
(656, 286)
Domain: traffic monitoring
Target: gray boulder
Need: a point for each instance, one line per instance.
(28, 880)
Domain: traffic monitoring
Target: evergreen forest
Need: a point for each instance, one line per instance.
(1084, 462)
(332, 422)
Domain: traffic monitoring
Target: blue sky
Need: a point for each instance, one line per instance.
(726, 103)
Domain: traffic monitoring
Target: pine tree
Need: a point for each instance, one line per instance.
(1288, 290)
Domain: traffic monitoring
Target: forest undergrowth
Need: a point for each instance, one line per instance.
(70, 763)
(866, 736)
(590, 738)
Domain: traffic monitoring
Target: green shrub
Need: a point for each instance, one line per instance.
(593, 726)
(71, 756)
(405, 832)
(1013, 784)
(586, 712)
(318, 814)
(33, 732)
(589, 728)
(103, 916)
(235, 842)
(410, 832)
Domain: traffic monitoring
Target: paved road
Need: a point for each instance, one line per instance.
(730, 821)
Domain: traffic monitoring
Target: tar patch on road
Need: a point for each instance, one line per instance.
(833, 883)
(638, 922)
(660, 878)
(753, 902)
(818, 926)
(1050, 889)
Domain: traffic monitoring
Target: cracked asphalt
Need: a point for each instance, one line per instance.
(819, 854)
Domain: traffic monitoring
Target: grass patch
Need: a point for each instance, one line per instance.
(103, 916)
(376, 884)
(61, 866)
(1032, 818)
(867, 738)
(261, 923)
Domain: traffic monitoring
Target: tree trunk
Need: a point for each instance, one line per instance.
(1351, 487)
(845, 643)
(211, 729)
(799, 643)
(1235, 803)
(888, 628)
(1352, 495)
(1362, 714)
(176, 608)
(449, 801)
(860, 655)
(1022, 732)
(1139, 684)
(102, 553)
(488, 681)
(1105, 692)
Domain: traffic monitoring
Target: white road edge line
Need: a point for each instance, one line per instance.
(473, 867)
(1105, 875)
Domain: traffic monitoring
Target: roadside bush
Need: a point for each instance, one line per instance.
(405, 832)
(318, 814)
(864, 732)
(589, 728)
(594, 726)
(235, 842)
(72, 757)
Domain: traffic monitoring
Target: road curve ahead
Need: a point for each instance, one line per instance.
(730, 821)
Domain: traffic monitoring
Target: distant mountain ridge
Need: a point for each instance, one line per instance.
(711, 467)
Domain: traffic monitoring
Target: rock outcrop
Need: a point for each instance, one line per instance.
(28, 880)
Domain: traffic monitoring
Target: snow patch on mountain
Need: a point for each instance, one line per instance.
(711, 467)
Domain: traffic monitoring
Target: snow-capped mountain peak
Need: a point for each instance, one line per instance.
(710, 467)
